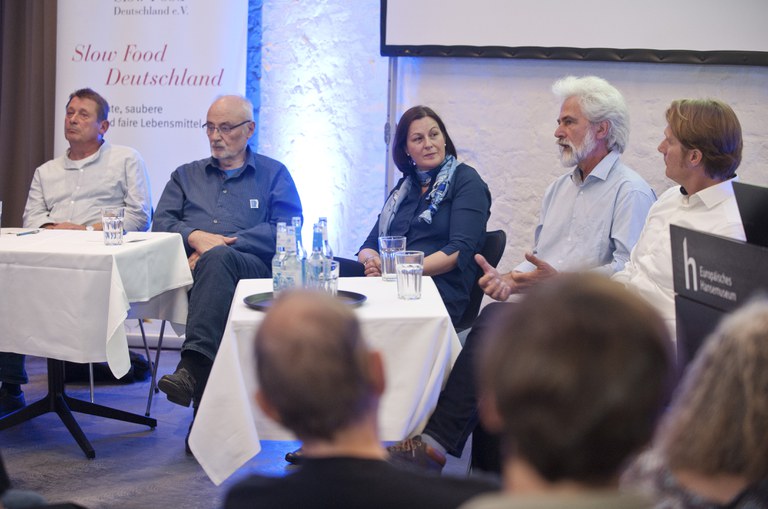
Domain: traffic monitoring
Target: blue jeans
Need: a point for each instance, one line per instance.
(12, 368)
(215, 278)
(455, 416)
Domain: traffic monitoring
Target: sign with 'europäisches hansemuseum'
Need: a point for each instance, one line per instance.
(717, 271)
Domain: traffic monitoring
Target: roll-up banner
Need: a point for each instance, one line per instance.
(159, 64)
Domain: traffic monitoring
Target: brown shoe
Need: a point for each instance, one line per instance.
(415, 452)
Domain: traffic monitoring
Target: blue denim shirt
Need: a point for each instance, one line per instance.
(247, 204)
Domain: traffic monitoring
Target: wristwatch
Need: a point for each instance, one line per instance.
(89, 228)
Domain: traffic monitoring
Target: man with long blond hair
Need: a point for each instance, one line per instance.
(702, 148)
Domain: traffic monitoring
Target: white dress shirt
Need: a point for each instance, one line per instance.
(649, 270)
(64, 190)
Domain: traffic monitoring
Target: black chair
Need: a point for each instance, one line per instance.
(485, 446)
(492, 250)
(350, 268)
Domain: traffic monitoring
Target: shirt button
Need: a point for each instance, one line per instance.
(224, 191)
(215, 221)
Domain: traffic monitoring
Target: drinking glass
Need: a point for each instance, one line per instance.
(388, 246)
(332, 281)
(112, 220)
(409, 266)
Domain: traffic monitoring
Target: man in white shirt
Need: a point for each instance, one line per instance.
(702, 149)
(68, 193)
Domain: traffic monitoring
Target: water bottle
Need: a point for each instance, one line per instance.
(316, 260)
(301, 253)
(278, 261)
(327, 251)
(293, 273)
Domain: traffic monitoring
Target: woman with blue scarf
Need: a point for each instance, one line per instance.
(440, 205)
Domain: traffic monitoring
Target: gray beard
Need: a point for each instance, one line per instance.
(572, 156)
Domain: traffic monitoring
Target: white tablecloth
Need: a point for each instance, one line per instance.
(65, 295)
(416, 339)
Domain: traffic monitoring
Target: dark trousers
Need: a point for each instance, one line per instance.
(455, 416)
(215, 278)
(12, 368)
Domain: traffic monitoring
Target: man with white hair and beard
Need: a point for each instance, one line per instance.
(590, 219)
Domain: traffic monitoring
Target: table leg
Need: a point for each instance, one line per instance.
(57, 401)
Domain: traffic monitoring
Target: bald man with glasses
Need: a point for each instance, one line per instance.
(226, 208)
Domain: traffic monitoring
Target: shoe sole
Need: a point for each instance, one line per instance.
(293, 459)
(174, 394)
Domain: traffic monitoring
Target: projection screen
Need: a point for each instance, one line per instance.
(666, 31)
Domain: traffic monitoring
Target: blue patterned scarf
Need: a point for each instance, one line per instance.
(439, 190)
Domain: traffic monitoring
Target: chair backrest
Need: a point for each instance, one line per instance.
(492, 250)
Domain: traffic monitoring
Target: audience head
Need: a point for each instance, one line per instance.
(315, 373)
(400, 152)
(710, 127)
(229, 125)
(85, 120)
(718, 421)
(599, 102)
(574, 378)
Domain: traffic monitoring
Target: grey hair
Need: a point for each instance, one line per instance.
(717, 421)
(245, 104)
(599, 101)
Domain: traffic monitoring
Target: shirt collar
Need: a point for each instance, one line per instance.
(600, 171)
(213, 163)
(713, 195)
(70, 164)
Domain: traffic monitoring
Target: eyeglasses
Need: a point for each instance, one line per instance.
(224, 129)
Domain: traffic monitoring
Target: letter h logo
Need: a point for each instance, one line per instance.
(689, 264)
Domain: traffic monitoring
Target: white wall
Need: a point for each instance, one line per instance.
(324, 92)
(323, 97)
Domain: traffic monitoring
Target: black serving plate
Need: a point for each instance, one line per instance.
(264, 301)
